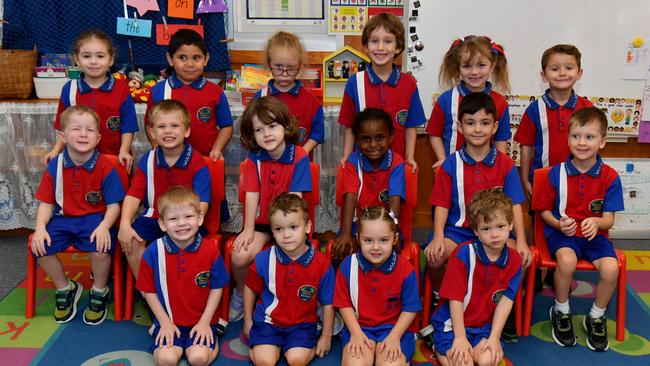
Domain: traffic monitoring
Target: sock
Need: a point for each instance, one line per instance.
(66, 288)
(596, 312)
(100, 290)
(562, 307)
(436, 295)
(237, 296)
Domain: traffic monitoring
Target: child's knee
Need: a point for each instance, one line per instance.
(167, 356)
(566, 260)
(199, 355)
(608, 269)
(241, 259)
(297, 357)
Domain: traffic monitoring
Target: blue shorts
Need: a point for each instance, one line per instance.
(184, 341)
(444, 340)
(302, 335)
(456, 234)
(66, 231)
(149, 229)
(591, 250)
(379, 333)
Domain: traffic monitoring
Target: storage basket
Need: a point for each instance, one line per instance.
(16, 72)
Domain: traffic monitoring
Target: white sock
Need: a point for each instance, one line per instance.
(436, 294)
(562, 307)
(237, 295)
(596, 312)
(66, 288)
(100, 290)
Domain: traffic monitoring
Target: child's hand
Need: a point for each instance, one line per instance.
(243, 240)
(248, 324)
(437, 163)
(126, 159)
(391, 348)
(358, 346)
(39, 240)
(166, 335)
(216, 154)
(494, 347)
(461, 352)
(343, 245)
(568, 226)
(323, 346)
(49, 156)
(435, 251)
(102, 238)
(204, 335)
(524, 251)
(413, 164)
(126, 236)
(528, 189)
(589, 228)
(343, 160)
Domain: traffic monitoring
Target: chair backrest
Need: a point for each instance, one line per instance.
(541, 179)
(212, 220)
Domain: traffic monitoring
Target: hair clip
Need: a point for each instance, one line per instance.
(460, 40)
(392, 216)
(496, 48)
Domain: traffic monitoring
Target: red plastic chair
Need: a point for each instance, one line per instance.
(118, 290)
(542, 259)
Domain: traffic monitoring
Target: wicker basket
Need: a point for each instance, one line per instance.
(16, 72)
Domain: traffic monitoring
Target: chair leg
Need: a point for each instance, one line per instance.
(128, 298)
(118, 285)
(225, 295)
(621, 299)
(518, 305)
(528, 301)
(427, 297)
(30, 301)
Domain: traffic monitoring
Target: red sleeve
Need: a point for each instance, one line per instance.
(526, 131)
(138, 186)
(45, 192)
(436, 121)
(350, 179)
(253, 280)
(57, 120)
(441, 192)
(249, 181)
(546, 200)
(348, 111)
(454, 284)
(341, 291)
(145, 282)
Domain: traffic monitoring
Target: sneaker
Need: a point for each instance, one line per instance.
(426, 335)
(509, 332)
(66, 302)
(96, 311)
(562, 329)
(596, 333)
(338, 325)
(236, 311)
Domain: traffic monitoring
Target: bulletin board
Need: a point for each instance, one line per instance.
(634, 222)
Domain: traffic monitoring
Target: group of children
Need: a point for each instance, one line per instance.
(477, 202)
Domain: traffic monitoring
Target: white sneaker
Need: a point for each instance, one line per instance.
(236, 311)
(338, 321)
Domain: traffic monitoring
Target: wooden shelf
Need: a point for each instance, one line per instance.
(335, 80)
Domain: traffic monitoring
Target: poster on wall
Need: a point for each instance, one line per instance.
(350, 16)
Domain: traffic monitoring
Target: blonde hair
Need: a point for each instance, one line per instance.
(169, 106)
(177, 196)
(487, 203)
(78, 109)
(472, 46)
(284, 40)
(268, 110)
(382, 213)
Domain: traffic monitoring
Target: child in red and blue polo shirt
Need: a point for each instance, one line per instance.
(479, 286)
(578, 207)
(182, 276)
(291, 279)
(80, 196)
(173, 162)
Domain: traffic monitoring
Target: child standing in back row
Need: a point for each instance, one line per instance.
(383, 86)
(467, 66)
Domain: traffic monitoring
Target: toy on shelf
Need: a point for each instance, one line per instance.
(346, 69)
(354, 66)
(136, 79)
(139, 84)
(338, 67)
(330, 69)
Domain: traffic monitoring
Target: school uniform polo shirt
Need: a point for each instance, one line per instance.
(545, 127)
(444, 118)
(79, 190)
(113, 103)
(478, 283)
(182, 278)
(374, 187)
(398, 96)
(289, 173)
(207, 104)
(304, 106)
(290, 289)
(154, 177)
(460, 177)
(377, 294)
(581, 195)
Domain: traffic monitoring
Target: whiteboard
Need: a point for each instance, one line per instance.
(601, 29)
(634, 222)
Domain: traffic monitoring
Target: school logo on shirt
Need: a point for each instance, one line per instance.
(302, 134)
(383, 196)
(93, 197)
(393, 302)
(496, 296)
(596, 206)
(306, 292)
(202, 279)
(204, 114)
(402, 116)
(113, 123)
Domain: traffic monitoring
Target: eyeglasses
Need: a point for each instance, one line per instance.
(278, 70)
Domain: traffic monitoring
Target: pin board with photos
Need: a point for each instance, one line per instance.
(350, 16)
(634, 221)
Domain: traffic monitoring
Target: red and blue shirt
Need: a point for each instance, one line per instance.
(478, 283)
(154, 177)
(377, 294)
(113, 103)
(444, 117)
(304, 106)
(79, 190)
(580, 195)
(398, 96)
(207, 104)
(290, 289)
(545, 127)
(182, 277)
(261, 173)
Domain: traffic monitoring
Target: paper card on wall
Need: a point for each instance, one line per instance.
(144, 6)
(180, 9)
(163, 35)
(212, 6)
(134, 27)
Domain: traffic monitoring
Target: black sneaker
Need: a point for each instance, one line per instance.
(426, 335)
(562, 328)
(596, 333)
(509, 332)
(97, 308)
(66, 302)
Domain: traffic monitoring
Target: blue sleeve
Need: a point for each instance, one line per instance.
(318, 126)
(416, 115)
(201, 184)
(158, 91)
(512, 186)
(397, 182)
(218, 274)
(326, 287)
(128, 118)
(513, 286)
(112, 188)
(503, 130)
(224, 117)
(258, 95)
(301, 180)
(410, 295)
(614, 197)
(352, 92)
(65, 93)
